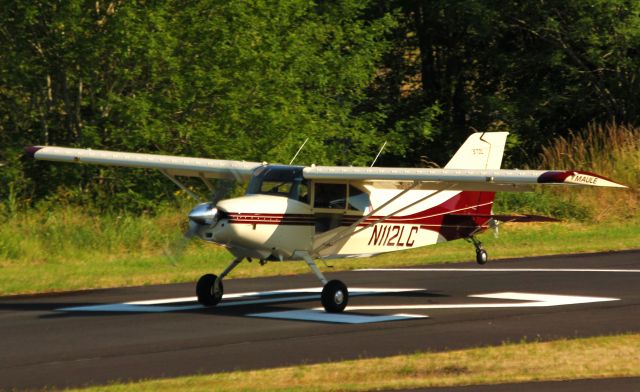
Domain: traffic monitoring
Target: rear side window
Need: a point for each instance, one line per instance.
(330, 196)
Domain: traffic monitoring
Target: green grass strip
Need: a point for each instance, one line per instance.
(599, 357)
(102, 268)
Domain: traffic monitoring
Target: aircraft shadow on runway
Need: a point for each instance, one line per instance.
(236, 308)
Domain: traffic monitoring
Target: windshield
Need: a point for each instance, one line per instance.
(285, 181)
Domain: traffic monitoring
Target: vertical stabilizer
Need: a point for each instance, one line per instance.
(480, 151)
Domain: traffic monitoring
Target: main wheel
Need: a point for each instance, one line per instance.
(335, 296)
(481, 256)
(209, 293)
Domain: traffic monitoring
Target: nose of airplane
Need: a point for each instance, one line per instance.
(203, 214)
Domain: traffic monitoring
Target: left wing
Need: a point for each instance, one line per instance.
(170, 165)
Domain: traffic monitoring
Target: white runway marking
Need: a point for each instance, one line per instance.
(533, 300)
(319, 315)
(342, 318)
(497, 270)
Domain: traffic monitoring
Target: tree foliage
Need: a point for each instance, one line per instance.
(236, 80)
(535, 68)
(253, 79)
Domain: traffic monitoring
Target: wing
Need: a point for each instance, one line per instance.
(459, 179)
(170, 165)
(452, 179)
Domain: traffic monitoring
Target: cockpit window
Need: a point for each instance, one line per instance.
(286, 181)
(276, 188)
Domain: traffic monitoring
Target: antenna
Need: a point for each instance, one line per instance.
(298, 152)
(379, 152)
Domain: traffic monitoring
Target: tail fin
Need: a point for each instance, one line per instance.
(480, 151)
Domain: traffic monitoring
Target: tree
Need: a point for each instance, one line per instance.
(236, 80)
(535, 68)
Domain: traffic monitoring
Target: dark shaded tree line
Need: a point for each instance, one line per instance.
(252, 80)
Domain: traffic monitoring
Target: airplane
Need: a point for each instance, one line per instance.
(304, 213)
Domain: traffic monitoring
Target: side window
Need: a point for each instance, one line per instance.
(330, 196)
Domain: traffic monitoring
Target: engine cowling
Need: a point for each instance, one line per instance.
(261, 226)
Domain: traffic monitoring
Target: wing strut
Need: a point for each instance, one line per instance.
(181, 185)
(206, 181)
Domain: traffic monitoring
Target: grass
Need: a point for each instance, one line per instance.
(612, 150)
(61, 256)
(598, 357)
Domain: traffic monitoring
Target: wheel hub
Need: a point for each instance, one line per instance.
(338, 297)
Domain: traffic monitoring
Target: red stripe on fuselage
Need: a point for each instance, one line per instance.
(271, 219)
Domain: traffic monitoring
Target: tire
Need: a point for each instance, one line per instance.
(481, 256)
(207, 295)
(335, 296)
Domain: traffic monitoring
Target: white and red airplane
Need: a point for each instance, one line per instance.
(305, 213)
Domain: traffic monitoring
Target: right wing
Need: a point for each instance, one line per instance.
(459, 179)
(171, 165)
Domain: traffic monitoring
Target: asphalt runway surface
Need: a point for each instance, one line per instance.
(100, 336)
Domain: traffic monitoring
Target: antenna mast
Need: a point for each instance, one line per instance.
(379, 152)
(298, 152)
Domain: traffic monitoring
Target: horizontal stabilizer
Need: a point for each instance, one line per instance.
(508, 218)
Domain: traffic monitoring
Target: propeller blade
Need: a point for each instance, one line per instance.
(201, 215)
(223, 188)
(176, 249)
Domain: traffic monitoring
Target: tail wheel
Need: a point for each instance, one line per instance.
(209, 293)
(335, 296)
(481, 256)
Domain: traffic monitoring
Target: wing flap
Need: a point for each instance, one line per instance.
(173, 165)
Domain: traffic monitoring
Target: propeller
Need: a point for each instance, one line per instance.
(202, 215)
(176, 248)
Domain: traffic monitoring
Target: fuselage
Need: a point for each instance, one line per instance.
(283, 214)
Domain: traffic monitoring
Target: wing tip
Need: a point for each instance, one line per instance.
(578, 177)
(31, 151)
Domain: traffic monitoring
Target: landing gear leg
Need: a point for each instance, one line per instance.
(481, 255)
(209, 288)
(335, 294)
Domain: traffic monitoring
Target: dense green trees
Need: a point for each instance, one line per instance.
(242, 80)
(535, 68)
(252, 80)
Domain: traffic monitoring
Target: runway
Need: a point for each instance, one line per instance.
(95, 337)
